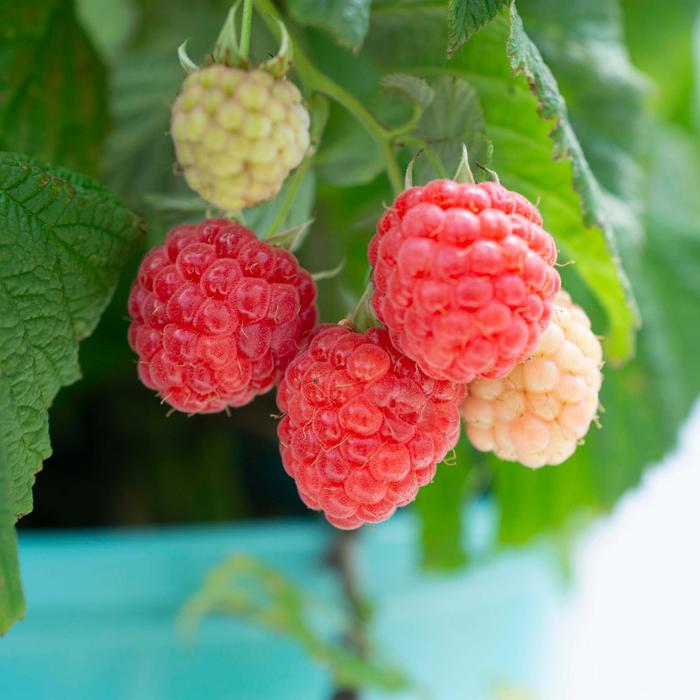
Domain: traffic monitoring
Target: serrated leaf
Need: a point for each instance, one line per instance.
(440, 507)
(596, 257)
(53, 102)
(466, 17)
(410, 87)
(533, 154)
(347, 22)
(452, 120)
(63, 242)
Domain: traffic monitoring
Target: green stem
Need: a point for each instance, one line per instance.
(245, 27)
(294, 185)
(315, 81)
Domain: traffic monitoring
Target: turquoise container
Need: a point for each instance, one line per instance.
(102, 607)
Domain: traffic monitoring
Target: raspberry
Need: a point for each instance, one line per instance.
(238, 133)
(537, 414)
(217, 315)
(463, 278)
(364, 428)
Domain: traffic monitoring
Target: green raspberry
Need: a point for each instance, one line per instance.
(238, 133)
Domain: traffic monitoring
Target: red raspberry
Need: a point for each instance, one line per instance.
(217, 315)
(464, 278)
(364, 428)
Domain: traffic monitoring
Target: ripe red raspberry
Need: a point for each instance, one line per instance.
(464, 278)
(364, 428)
(217, 315)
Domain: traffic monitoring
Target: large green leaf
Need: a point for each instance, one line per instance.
(63, 242)
(52, 85)
(535, 148)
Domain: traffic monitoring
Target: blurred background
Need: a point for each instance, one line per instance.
(539, 585)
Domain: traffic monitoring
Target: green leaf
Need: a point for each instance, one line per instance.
(453, 119)
(63, 242)
(596, 257)
(440, 507)
(348, 155)
(246, 588)
(409, 87)
(535, 149)
(466, 17)
(11, 598)
(347, 22)
(52, 86)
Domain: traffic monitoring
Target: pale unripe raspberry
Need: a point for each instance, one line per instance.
(238, 133)
(537, 414)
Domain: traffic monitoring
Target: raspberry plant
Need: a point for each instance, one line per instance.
(306, 136)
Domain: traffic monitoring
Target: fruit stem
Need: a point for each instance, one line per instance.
(342, 557)
(315, 81)
(362, 316)
(245, 28)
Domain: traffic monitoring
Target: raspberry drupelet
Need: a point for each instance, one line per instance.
(538, 413)
(463, 278)
(364, 427)
(217, 315)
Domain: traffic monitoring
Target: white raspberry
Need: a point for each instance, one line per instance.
(238, 133)
(538, 413)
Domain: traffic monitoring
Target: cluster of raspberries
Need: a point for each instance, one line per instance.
(464, 283)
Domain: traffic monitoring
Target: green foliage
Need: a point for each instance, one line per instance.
(545, 94)
(440, 509)
(645, 401)
(451, 120)
(524, 141)
(595, 255)
(250, 590)
(347, 22)
(466, 17)
(63, 241)
(52, 86)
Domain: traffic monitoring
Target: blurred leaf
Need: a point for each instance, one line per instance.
(246, 588)
(63, 242)
(409, 87)
(109, 23)
(52, 86)
(440, 507)
(660, 37)
(466, 17)
(452, 119)
(347, 22)
(303, 193)
(348, 155)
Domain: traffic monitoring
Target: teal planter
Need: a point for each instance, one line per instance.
(102, 609)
